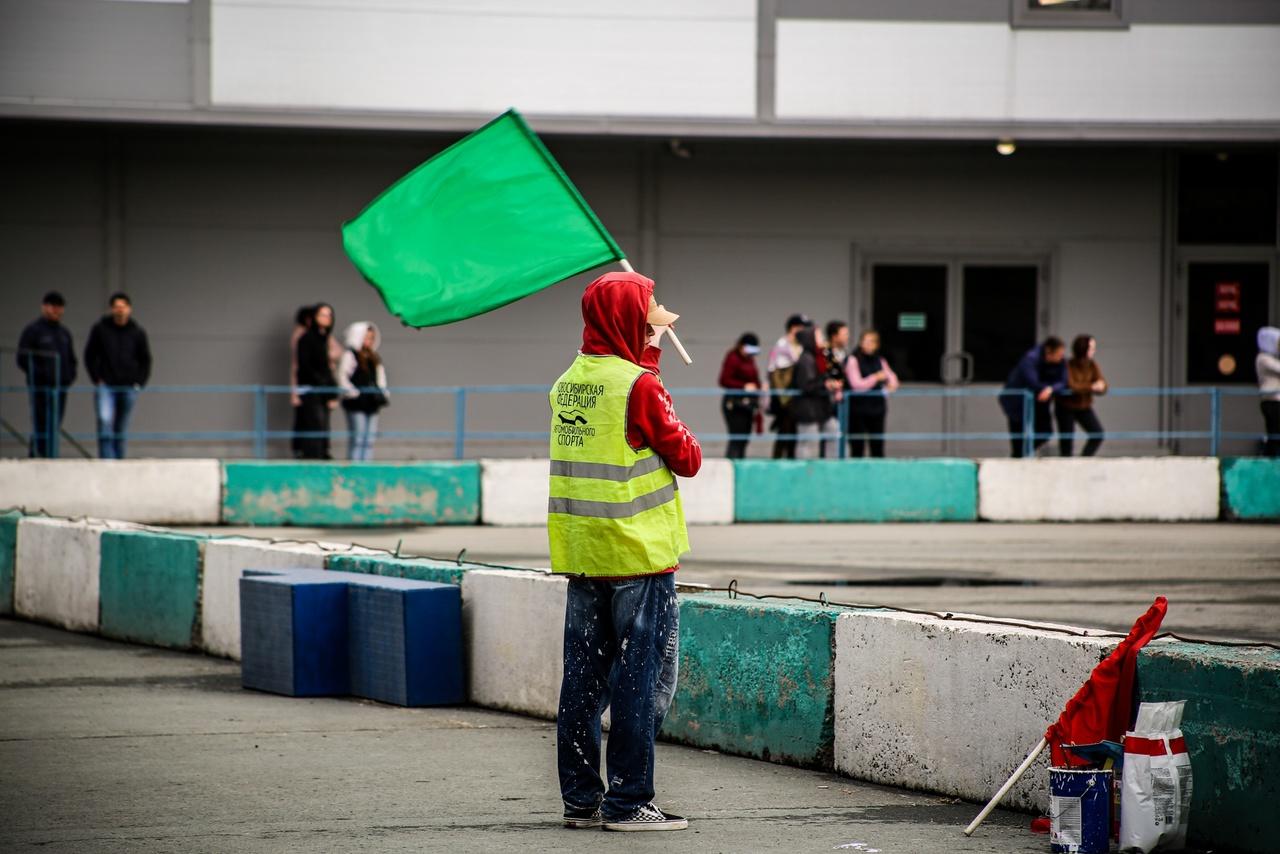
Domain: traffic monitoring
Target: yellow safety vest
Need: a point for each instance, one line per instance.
(614, 511)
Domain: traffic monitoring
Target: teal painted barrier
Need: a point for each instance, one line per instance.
(1232, 726)
(8, 551)
(150, 587)
(1251, 488)
(351, 494)
(755, 680)
(855, 491)
(417, 569)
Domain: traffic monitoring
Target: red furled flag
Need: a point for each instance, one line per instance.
(1103, 707)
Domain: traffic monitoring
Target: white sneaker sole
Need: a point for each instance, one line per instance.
(641, 826)
(582, 823)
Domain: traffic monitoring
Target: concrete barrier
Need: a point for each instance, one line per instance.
(8, 549)
(156, 492)
(514, 492)
(351, 494)
(708, 498)
(56, 572)
(415, 569)
(1251, 488)
(149, 587)
(951, 706)
(755, 680)
(513, 633)
(855, 490)
(1169, 489)
(1232, 725)
(224, 562)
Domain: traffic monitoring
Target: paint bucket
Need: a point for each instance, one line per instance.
(1079, 811)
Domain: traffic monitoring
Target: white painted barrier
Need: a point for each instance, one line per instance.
(952, 706)
(224, 562)
(514, 492)
(1167, 489)
(56, 572)
(513, 630)
(708, 497)
(154, 492)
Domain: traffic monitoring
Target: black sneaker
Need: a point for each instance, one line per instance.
(580, 819)
(647, 817)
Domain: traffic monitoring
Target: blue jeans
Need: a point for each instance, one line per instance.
(621, 644)
(363, 429)
(113, 405)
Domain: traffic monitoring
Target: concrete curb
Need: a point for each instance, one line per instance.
(56, 572)
(157, 492)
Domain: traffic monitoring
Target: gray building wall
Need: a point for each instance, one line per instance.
(219, 235)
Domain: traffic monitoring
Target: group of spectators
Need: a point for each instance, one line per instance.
(325, 372)
(117, 358)
(811, 371)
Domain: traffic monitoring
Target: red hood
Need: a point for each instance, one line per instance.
(614, 308)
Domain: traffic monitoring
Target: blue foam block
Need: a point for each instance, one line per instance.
(293, 634)
(405, 641)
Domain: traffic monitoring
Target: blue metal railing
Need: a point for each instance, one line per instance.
(259, 434)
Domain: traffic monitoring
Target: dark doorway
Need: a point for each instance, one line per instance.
(1227, 302)
(999, 317)
(909, 310)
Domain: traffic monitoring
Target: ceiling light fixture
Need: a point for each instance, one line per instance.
(1006, 146)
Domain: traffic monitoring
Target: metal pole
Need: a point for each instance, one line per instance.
(842, 413)
(459, 423)
(1215, 420)
(1028, 424)
(260, 422)
(54, 408)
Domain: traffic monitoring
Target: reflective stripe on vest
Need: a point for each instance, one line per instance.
(613, 510)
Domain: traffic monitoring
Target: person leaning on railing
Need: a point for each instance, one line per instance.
(1084, 379)
(1268, 366)
(738, 373)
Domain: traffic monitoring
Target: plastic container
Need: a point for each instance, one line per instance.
(1080, 811)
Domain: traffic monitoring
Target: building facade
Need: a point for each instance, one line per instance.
(756, 157)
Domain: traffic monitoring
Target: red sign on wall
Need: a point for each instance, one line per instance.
(1226, 326)
(1227, 290)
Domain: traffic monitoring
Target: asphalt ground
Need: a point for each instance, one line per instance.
(111, 747)
(1222, 579)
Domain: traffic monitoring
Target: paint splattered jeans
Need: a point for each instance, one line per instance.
(621, 641)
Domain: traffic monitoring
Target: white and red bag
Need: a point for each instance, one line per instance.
(1155, 790)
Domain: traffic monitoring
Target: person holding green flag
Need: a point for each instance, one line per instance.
(616, 526)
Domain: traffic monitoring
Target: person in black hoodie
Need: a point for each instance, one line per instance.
(316, 386)
(118, 359)
(812, 408)
(48, 358)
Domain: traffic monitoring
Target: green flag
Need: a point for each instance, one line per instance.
(489, 220)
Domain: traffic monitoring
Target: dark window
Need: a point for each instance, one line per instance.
(1227, 197)
(1227, 303)
(909, 310)
(1067, 13)
(999, 318)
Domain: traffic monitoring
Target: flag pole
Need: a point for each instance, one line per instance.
(671, 333)
(1008, 784)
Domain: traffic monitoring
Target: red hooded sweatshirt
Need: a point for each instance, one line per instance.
(614, 308)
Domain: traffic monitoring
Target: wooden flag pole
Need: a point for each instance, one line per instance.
(671, 333)
(1008, 784)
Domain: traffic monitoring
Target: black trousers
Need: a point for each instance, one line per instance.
(313, 419)
(784, 423)
(738, 420)
(1271, 417)
(1042, 426)
(45, 422)
(1068, 418)
(861, 423)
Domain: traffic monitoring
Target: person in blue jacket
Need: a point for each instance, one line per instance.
(1043, 372)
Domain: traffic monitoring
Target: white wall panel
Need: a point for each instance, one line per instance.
(869, 70)
(565, 58)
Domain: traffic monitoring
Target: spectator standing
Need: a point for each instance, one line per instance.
(1084, 380)
(1268, 368)
(363, 379)
(316, 382)
(118, 359)
(835, 354)
(1042, 372)
(870, 381)
(301, 323)
(781, 366)
(738, 372)
(47, 356)
(812, 406)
